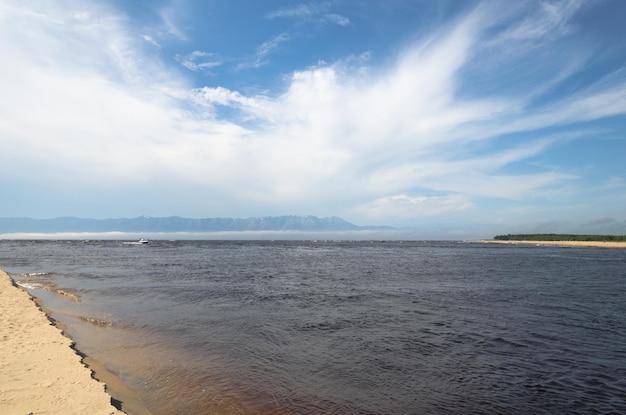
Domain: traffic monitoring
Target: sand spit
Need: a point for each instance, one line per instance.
(561, 243)
(39, 371)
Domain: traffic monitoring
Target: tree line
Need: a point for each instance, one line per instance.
(560, 237)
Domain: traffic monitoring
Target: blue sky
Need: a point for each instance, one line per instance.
(459, 117)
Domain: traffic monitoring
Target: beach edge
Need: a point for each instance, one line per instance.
(41, 371)
(588, 244)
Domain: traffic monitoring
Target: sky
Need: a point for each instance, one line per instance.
(456, 116)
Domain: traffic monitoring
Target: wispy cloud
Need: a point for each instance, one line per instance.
(399, 208)
(394, 123)
(150, 40)
(348, 137)
(548, 21)
(199, 61)
(337, 19)
(615, 182)
(318, 11)
(271, 45)
(264, 50)
(171, 15)
(301, 10)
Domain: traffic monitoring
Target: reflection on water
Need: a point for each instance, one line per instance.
(343, 327)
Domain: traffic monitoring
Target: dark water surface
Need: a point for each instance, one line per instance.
(202, 327)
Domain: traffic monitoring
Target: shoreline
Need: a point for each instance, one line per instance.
(40, 370)
(589, 244)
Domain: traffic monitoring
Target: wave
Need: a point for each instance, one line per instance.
(35, 274)
(48, 286)
(31, 285)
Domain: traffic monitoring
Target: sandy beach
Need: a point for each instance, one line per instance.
(561, 243)
(39, 371)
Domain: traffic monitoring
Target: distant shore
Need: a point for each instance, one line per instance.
(595, 244)
(39, 371)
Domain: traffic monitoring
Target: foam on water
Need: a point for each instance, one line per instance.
(30, 285)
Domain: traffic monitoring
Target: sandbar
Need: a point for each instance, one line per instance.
(595, 244)
(40, 373)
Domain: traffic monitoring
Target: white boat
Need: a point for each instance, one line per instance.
(142, 241)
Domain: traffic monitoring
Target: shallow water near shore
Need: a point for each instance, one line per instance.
(293, 327)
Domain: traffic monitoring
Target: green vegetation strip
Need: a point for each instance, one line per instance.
(560, 237)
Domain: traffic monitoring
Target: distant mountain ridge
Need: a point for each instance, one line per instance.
(180, 224)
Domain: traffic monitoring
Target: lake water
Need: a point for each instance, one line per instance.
(332, 327)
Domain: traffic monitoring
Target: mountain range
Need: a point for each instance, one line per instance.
(179, 224)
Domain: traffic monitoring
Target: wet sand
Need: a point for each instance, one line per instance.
(39, 371)
(561, 243)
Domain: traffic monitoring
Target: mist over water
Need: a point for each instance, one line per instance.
(294, 327)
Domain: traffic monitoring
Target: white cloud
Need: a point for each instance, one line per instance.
(472, 176)
(199, 61)
(402, 208)
(389, 142)
(171, 15)
(315, 11)
(552, 19)
(528, 26)
(615, 182)
(270, 46)
(150, 40)
(337, 19)
(264, 50)
(299, 10)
